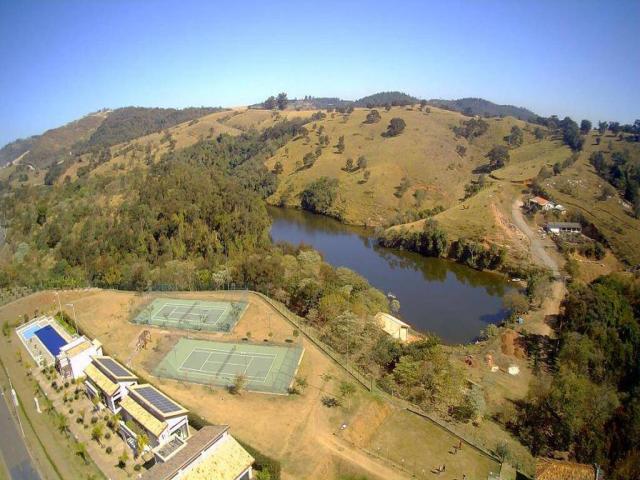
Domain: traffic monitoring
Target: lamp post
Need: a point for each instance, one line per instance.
(75, 320)
(59, 304)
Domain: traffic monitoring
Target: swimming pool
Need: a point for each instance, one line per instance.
(30, 331)
(51, 339)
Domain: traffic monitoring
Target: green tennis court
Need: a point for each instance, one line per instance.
(200, 315)
(267, 368)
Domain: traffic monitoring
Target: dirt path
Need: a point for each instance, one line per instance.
(537, 247)
(539, 321)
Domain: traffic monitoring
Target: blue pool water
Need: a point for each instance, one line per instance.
(51, 339)
(29, 332)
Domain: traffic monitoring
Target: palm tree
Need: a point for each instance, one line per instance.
(96, 433)
(62, 423)
(141, 442)
(81, 451)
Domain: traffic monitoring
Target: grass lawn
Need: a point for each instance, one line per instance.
(420, 446)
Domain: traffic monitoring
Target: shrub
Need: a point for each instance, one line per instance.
(109, 450)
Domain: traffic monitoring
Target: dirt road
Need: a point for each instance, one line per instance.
(537, 247)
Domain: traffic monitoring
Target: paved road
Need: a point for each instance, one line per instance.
(538, 251)
(12, 446)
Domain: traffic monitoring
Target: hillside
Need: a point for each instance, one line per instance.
(426, 153)
(484, 108)
(53, 145)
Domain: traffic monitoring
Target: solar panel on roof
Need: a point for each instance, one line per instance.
(114, 367)
(157, 399)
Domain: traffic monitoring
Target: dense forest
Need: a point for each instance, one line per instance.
(590, 405)
(622, 171)
(386, 98)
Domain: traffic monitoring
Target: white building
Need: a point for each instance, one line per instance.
(146, 410)
(563, 227)
(210, 453)
(393, 326)
(541, 203)
(76, 355)
(109, 381)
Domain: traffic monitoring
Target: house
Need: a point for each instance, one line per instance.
(76, 355)
(109, 381)
(210, 453)
(149, 412)
(541, 203)
(563, 227)
(393, 326)
(551, 469)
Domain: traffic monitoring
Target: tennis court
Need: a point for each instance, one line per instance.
(200, 315)
(267, 368)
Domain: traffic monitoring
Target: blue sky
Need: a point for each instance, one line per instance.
(63, 59)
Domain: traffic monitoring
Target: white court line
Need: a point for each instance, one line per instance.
(260, 379)
(247, 354)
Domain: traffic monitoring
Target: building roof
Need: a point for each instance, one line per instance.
(142, 416)
(397, 321)
(77, 349)
(225, 462)
(156, 402)
(550, 469)
(564, 225)
(539, 200)
(113, 369)
(100, 380)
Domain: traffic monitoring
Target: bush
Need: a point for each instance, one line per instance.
(330, 402)
(318, 196)
(109, 450)
(396, 127)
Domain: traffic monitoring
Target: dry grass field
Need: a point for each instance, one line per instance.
(296, 429)
(425, 153)
(579, 188)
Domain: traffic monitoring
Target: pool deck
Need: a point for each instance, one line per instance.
(34, 345)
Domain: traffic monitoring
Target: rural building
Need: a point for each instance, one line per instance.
(541, 203)
(149, 412)
(393, 326)
(551, 469)
(109, 381)
(76, 355)
(563, 227)
(209, 453)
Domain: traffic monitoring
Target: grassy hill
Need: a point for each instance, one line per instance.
(53, 145)
(425, 153)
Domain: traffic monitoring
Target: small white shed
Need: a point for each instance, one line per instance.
(393, 326)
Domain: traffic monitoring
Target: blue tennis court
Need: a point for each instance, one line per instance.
(51, 339)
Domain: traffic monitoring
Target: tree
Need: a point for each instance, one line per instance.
(602, 127)
(318, 196)
(97, 432)
(516, 302)
(81, 451)
(347, 389)
(309, 159)
(387, 107)
(270, 103)
(461, 150)
(348, 166)
(367, 175)
(614, 127)
(423, 103)
(585, 127)
(282, 101)
(239, 383)
(141, 443)
(122, 459)
(538, 133)
(395, 127)
(373, 117)
(362, 162)
(498, 156)
(515, 138)
(278, 168)
(340, 144)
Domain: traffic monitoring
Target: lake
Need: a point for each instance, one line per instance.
(451, 300)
